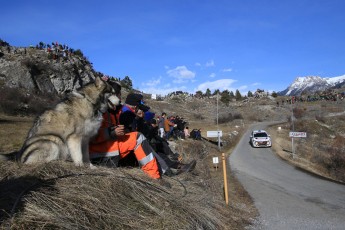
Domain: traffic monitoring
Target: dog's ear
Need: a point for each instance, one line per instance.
(99, 82)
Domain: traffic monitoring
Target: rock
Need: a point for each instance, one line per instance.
(37, 72)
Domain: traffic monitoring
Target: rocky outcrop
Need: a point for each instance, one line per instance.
(34, 69)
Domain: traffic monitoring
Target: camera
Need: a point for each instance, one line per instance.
(143, 107)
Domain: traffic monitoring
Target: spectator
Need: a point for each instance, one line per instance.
(161, 122)
(112, 143)
(196, 134)
(133, 112)
(186, 132)
(168, 128)
(161, 146)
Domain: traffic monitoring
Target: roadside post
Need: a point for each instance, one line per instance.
(294, 135)
(215, 162)
(218, 134)
(225, 180)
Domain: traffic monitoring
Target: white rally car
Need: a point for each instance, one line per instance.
(260, 138)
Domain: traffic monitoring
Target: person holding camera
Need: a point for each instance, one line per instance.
(113, 142)
(133, 113)
(135, 116)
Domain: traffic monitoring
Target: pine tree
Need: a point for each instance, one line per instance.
(126, 82)
(238, 95)
(208, 92)
(232, 95)
(250, 94)
(216, 91)
(198, 94)
(225, 97)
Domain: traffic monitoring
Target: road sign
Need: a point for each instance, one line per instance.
(297, 134)
(215, 160)
(214, 133)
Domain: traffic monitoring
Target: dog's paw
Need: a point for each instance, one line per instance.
(92, 166)
(79, 164)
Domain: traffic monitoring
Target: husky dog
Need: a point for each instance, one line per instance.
(64, 132)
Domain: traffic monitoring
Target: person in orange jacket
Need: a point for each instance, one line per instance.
(168, 127)
(112, 143)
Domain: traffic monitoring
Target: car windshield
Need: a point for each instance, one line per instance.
(260, 135)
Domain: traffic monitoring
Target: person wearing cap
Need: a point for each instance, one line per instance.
(113, 143)
(133, 111)
(132, 116)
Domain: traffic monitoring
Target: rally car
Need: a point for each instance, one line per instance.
(260, 138)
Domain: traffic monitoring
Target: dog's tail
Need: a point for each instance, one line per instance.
(12, 156)
(43, 148)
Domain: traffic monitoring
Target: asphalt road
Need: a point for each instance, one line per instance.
(287, 198)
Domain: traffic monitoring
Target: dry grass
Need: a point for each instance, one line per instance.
(60, 196)
(57, 195)
(322, 152)
(13, 132)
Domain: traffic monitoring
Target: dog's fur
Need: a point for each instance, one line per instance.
(64, 132)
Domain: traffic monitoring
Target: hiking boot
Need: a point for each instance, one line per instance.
(164, 183)
(186, 167)
(169, 173)
(174, 157)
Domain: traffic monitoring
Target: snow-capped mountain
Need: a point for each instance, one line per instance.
(312, 84)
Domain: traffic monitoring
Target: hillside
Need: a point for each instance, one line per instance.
(60, 196)
(39, 70)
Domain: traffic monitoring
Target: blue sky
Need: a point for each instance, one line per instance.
(190, 45)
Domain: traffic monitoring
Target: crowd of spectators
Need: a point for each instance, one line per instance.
(323, 96)
(174, 127)
(54, 50)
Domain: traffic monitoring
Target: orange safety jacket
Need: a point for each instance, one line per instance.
(103, 146)
(167, 125)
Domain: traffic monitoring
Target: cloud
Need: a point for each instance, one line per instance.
(221, 84)
(163, 91)
(227, 70)
(181, 74)
(210, 63)
(243, 88)
(197, 64)
(212, 75)
(153, 82)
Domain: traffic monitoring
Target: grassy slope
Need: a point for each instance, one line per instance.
(196, 200)
(58, 195)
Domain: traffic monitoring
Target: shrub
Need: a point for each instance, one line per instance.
(299, 112)
(79, 53)
(194, 105)
(254, 117)
(238, 116)
(320, 118)
(336, 160)
(20, 102)
(224, 118)
(176, 99)
(198, 116)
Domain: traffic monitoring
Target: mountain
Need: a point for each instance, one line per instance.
(312, 84)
